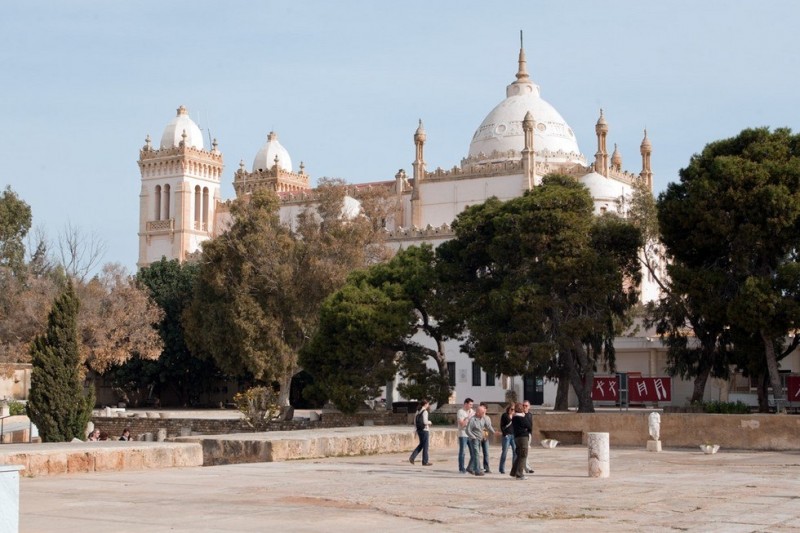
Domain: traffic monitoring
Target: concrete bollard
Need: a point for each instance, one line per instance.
(599, 455)
(9, 498)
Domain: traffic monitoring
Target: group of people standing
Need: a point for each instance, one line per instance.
(474, 430)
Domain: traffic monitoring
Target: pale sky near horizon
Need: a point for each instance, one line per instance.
(343, 84)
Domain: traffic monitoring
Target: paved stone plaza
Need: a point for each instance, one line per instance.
(682, 490)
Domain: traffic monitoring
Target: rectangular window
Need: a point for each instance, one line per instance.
(476, 374)
(489, 379)
(451, 372)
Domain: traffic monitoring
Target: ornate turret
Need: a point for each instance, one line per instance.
(601, 157)
(647, 172)
(419, 173)
(528, 154)
(616, 159)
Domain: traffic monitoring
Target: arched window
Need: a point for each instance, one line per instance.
(205, 208)
(157, 213)
(166, 202)
(197, 207)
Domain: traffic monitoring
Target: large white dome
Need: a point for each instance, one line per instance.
(173, 133)
(501, 130)
(265, 158)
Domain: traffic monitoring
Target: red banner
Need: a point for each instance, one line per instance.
(640, 390)
(605, 389)
(649, 390)
(793, 388)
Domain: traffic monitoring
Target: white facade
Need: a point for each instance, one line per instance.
(520, 140)
(180, 192)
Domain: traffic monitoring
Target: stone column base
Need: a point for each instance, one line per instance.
(654, 446)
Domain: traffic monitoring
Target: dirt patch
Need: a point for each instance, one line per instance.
(320, 502)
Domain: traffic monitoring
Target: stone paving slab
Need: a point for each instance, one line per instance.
(313, 443)
(675, 490)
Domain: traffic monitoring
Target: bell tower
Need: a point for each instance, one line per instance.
(180, 191)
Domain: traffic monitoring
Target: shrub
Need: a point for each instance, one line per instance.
(16, 408)
(258, 405)
(727, 408)
(438, 419)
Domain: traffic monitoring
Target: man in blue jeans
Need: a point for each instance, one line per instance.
(485, 440)
(462, 419)
(475, 431)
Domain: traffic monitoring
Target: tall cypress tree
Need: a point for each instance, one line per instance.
(57, 404)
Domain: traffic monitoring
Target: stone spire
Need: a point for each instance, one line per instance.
(528, 154)
(616, 159)
(523, 84)
(601, 157)
(647, 172)
(419, 175)
(522, 72)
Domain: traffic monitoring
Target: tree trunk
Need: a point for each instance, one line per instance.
(774, 375)
(582, 378)
(562, 392)
(286, 386)
(700, 385)
(441, 362)
(762, 393)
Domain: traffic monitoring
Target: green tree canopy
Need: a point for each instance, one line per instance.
(261, 283)
(15, 221)
(57, 403)
(734, 218)
(542, 282)
(381, 320)
(355, 350)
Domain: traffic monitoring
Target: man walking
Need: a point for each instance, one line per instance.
(423, 425)
(475, 431)
(526, 409)
(462, 419)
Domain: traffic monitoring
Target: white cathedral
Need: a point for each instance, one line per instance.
(522, 139)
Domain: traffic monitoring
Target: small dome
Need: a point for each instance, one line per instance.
(616, 157)
(265, 158)
(646, 142)
(602, 125)
(604, 188)
(419, 135)
(173, 133)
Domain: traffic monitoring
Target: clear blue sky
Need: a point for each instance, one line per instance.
(344, 82)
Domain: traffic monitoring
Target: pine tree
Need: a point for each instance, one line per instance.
(57, 404)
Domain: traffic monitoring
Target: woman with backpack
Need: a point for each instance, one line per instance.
(422, 424)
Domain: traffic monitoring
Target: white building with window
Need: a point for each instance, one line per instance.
(522, 139)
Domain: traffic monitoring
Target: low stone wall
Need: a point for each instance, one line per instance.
(209, 426)
(678, 430)
(284, 446)
(70, 458)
